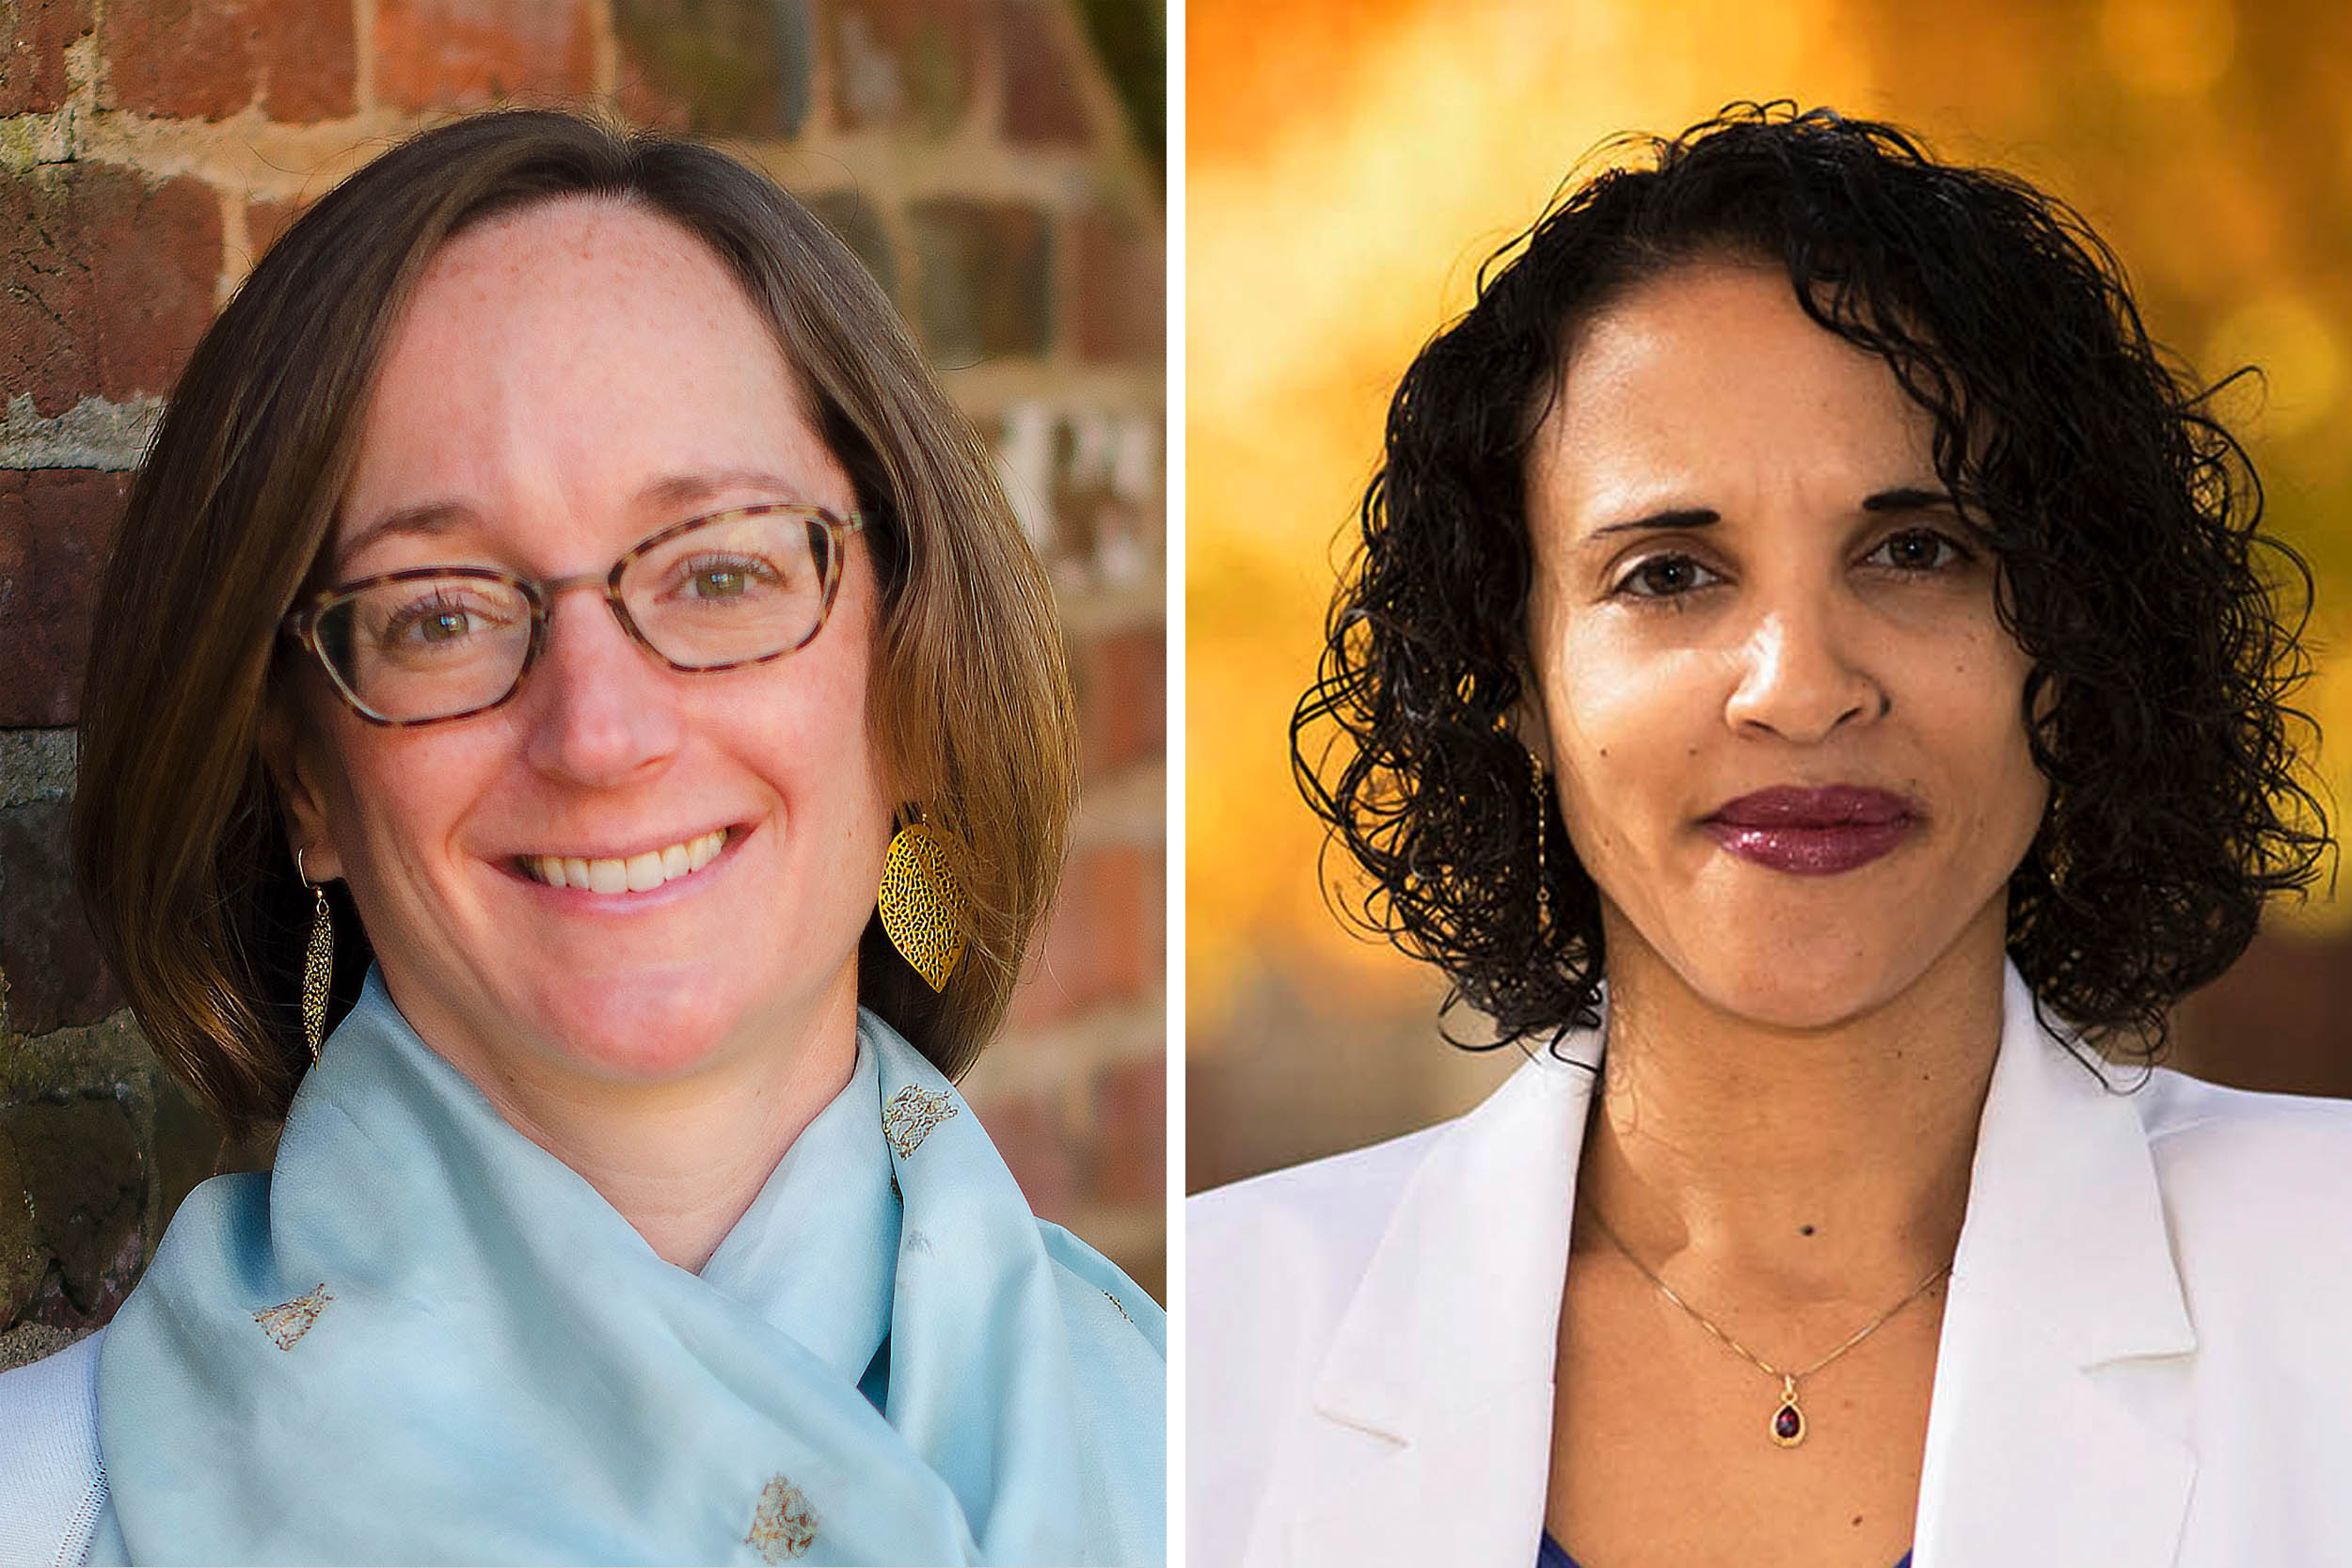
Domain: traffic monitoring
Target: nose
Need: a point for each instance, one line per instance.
(1801, 677)
(600, 711)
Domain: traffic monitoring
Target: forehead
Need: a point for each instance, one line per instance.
(1712, 379)
(567, 355)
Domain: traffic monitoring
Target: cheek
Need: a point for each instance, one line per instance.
(383, 784)
(810, 732)
(1978, 715)
(407, 796)
(1622, 721)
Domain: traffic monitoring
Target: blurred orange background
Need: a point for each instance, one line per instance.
(1350, 165)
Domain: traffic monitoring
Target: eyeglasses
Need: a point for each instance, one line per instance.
(719, 591)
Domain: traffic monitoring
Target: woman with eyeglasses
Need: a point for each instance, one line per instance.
(1814, 677)
(577, 732)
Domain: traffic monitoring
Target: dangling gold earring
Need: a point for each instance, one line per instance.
(1543, 871)
(318, 964)
(921, 904)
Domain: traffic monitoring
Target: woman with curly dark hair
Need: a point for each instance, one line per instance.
(1806, 641)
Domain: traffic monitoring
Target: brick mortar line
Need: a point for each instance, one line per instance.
(1106, 113)
(288, 160)
(363, 44)
(245, 158)
(977, 158)
(604, 52)
(1064, 179)
(83, 85)
(96, 433)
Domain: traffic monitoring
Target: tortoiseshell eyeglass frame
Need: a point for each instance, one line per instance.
(301, 624)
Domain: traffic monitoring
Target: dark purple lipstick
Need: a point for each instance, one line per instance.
(1812, 832)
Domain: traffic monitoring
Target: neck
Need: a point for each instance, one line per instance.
(1806, 1165)
(683, 1157)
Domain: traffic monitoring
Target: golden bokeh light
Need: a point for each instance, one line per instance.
(2292, 342)
(2168, 46)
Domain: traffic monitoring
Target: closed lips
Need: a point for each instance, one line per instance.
(635, 874)
(1833, 806)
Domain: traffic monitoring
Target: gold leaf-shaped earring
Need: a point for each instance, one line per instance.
(921, 904)
(318, 964)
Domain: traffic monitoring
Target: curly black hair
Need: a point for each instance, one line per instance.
(2124, 517)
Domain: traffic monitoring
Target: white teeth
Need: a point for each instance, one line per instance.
(637, 874)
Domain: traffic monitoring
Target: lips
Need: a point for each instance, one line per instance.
(1812, 831)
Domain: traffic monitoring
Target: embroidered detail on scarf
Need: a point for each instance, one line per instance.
(784, 1524)
(1114, 1306)
(909, 1116)
(290, 1321)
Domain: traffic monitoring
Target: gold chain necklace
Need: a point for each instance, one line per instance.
(1787, 1427)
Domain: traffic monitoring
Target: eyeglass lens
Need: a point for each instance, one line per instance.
(739, 588)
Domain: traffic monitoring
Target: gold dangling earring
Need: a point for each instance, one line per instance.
(921, 904)
(1543, 871)
(318, 964)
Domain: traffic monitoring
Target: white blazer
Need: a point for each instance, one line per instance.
(2146, 1358)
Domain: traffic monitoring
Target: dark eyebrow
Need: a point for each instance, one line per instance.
(435, 517)
(1659, 522)
(1905, 498)
(1902, 498)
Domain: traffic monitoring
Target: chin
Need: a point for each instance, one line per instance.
(646, 1026)
(1828, 980)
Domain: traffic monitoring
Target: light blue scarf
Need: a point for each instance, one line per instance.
(424, 1340)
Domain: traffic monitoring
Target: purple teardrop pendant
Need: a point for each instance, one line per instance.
(1789, 1420)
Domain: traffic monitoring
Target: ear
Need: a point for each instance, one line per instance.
(1526, 721)
(296, 772)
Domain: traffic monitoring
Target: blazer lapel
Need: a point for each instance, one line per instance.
(2058, 1431)
(1430, 1436)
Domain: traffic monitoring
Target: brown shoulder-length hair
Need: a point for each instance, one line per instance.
(179, 844)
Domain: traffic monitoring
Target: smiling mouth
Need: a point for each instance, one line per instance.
(635, 874)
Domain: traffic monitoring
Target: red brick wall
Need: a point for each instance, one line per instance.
(971, 151)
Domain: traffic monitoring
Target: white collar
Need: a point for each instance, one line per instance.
(1430, 1435)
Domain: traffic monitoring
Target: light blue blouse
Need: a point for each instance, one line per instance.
(423, 1338)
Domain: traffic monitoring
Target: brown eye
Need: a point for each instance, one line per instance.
(1664, 576)
(1918, 549)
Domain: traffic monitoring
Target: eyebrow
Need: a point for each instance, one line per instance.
(1902, 498)
(1909, 497)
(431, 518)
(1661, 522)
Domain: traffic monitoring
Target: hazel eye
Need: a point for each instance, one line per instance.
(1920, 550)
(1664, 576)
(717, 579)
(441, 619)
